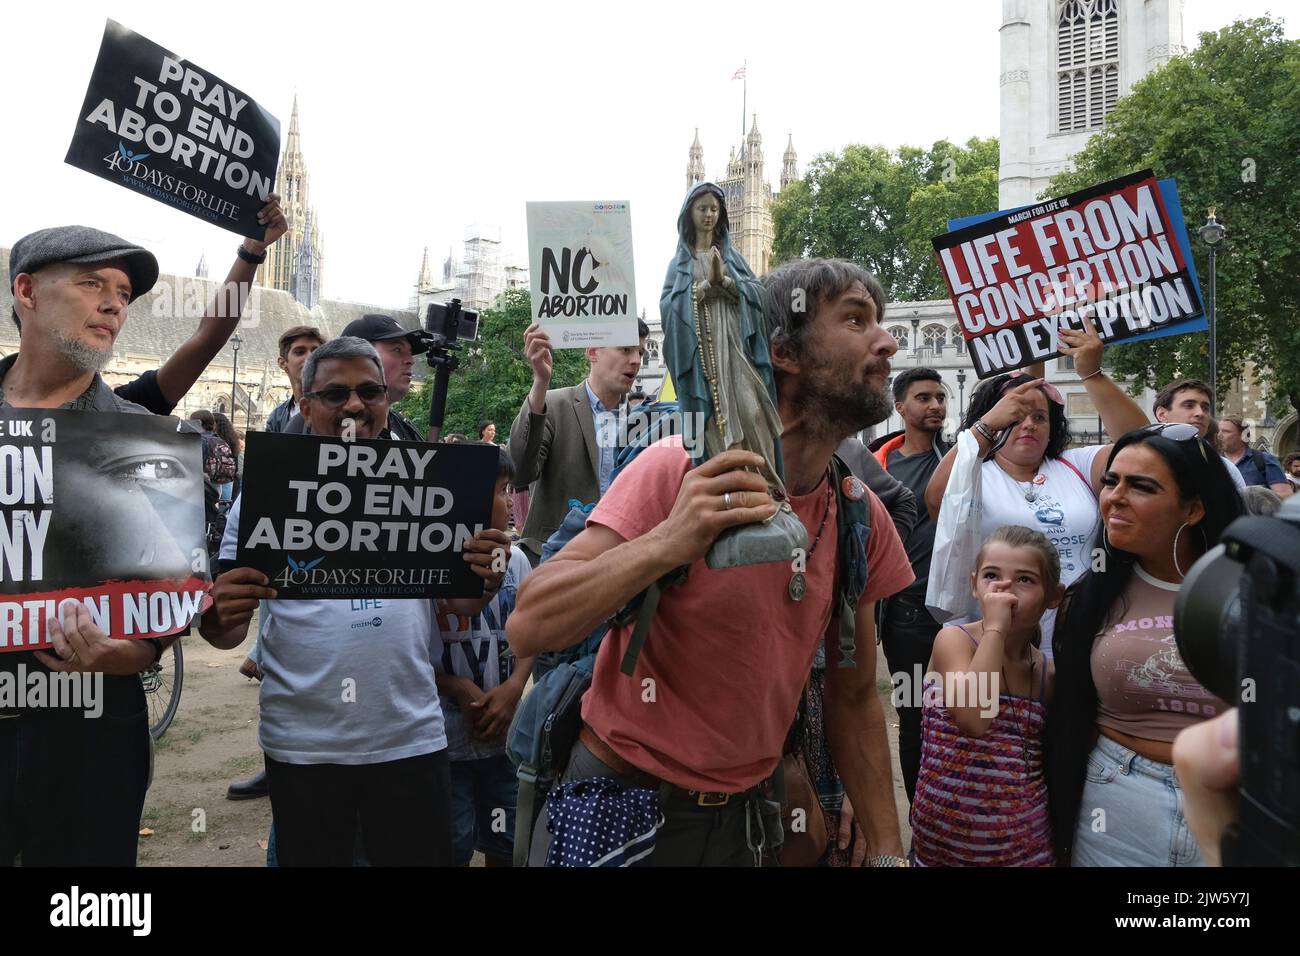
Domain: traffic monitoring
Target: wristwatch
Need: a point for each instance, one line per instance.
(886, 859)
(250, 257)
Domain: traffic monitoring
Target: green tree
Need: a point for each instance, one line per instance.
(1224, 122)
(881, 208)
(491, 386)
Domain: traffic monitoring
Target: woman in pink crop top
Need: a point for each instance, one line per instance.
(1122, 690)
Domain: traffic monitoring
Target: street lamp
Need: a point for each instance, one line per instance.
(1212, 234)
(234, 370)
(916, 338)
(961, 394)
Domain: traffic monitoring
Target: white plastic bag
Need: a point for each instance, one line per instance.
(957, 538)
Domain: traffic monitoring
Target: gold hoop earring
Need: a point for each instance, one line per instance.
(1176, 534)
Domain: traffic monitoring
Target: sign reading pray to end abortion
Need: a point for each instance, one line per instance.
(101, 508)
(161, 126)
(330, 518)
(1116, 253)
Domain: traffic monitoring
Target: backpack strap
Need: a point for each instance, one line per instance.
(850, 516)
(649, 603)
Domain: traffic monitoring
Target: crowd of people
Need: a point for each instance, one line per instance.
(1062, 754)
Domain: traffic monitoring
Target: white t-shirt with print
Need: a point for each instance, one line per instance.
(1064, 510)
(345, 681)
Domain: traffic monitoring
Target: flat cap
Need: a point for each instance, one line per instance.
(84, 246)
(376, 328)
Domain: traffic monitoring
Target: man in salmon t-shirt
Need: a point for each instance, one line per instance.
(689, 739)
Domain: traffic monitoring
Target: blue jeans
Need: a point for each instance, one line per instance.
(483, 797)
(1131, 813)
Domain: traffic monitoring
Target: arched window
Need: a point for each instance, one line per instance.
(934, 337)
(899, 332)
(1087, 63)
(651, 352)
(958, 340)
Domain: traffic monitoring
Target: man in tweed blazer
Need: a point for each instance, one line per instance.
(553, 441)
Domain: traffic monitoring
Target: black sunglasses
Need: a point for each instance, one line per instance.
(335, 396)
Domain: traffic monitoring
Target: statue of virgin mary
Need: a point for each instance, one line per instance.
(716, 347)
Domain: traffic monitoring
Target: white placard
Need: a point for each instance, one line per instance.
(580, 267)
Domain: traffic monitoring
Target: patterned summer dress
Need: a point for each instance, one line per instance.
(982, 801)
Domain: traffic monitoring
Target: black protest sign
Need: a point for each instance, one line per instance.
(161, 126)
(101, 508)
(329, 518)
(1115, 253)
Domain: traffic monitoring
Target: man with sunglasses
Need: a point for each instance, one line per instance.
(374, 758)
(397, 348)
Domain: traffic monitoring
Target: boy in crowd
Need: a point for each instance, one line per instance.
(479, 686)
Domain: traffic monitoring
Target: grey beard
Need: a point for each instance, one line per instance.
(83, 356)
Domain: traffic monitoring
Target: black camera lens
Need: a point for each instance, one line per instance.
(1208, 622)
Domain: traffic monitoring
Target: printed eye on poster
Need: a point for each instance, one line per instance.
(159, 125)
(580, 266)
(101, 508)
(328, 518)
(1116, 253)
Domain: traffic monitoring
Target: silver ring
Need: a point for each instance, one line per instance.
(726, 501)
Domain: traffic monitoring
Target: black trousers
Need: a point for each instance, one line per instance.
(402, 807)
(908, 633)
(72, 787)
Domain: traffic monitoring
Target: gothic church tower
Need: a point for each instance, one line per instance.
(282, 261)
(1065, 63)
(748, 194)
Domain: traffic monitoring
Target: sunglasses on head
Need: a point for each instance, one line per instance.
(1178, 431)
(335, 396)
(1048, 388)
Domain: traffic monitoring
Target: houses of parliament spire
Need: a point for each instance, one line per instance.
(748, 194)
(294, 263)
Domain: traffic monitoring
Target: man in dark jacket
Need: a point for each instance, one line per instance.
(72, 789)
(907, 628)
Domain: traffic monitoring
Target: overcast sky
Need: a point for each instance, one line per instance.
(417, 122)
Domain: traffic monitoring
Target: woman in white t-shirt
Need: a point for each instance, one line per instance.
(1028, 477)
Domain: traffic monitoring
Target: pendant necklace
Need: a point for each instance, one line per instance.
(798, 583)
(1031, 493)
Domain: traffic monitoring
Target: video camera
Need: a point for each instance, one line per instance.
(444, 326)
(1237, 624)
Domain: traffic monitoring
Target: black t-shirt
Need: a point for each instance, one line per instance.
(915, 471)
(144, 391)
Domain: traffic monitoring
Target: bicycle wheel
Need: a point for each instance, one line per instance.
(162, 689)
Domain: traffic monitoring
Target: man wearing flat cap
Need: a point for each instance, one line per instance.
(72, 789)
(397, 348)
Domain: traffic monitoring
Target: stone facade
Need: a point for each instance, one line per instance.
(1065, 63)
(929, 335)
